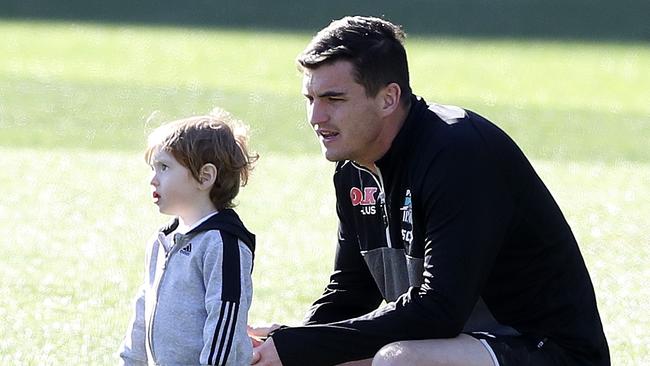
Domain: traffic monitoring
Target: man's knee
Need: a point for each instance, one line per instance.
(392, 354)
(462, 350)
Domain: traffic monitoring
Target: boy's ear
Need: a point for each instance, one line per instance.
(207, 176)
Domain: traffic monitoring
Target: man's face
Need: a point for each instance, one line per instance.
(346, 121)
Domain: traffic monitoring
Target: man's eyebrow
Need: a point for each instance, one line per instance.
(331, 94)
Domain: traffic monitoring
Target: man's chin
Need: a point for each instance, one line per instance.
(333, 160)
(333, 157)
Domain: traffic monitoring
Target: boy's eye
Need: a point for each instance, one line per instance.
(159, 167)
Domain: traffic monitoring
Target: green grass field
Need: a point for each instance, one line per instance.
(77, 100)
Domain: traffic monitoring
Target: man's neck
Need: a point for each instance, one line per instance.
(392, 125)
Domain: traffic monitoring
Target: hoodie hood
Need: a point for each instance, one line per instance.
(226, 220)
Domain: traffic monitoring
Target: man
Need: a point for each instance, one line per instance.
(440, 215)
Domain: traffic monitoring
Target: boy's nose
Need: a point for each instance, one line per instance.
(154, 180)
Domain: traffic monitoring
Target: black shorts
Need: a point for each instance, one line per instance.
(521, 350)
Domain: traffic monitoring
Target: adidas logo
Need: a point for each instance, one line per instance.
(187, 249)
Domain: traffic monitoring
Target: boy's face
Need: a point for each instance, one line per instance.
(176, 192)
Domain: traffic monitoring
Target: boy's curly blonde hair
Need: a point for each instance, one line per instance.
(216, 138)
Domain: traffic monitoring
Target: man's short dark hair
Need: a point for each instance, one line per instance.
(373, 46)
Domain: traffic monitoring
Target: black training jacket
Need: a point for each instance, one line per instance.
(456, 217)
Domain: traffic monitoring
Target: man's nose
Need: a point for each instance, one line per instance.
(317, 113)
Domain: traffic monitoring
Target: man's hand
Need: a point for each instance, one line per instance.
(259, 334)
(266, 354)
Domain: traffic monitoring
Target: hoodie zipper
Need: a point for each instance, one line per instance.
(382, 198)
(168, 254)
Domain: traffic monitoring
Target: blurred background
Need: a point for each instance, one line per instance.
(596, 20)
(83, 82)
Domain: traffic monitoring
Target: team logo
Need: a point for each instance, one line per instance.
(407, 219)
(366, 199)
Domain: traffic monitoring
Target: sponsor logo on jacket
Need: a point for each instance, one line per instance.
(365, 199)
(407, 219)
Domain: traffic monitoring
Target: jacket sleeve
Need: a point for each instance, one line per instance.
(466, 210)
(132, 350)
(228, 291)
(351, 291)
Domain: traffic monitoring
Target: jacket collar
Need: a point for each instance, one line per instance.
(403, 141)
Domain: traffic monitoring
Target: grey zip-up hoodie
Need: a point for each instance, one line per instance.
(192, 308)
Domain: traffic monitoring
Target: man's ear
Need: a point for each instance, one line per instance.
(207, 176)
(389, 98)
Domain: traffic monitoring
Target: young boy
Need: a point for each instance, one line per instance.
(192, 308)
